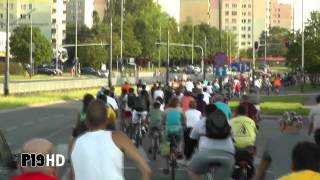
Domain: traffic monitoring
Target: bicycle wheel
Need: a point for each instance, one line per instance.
(244, 174)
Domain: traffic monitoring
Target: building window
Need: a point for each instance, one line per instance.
(243, 28)
(11, 5)
(1, 15)
(249, 20)
(227, 5)
(244, 6)
(30, 6)
(243, 43)
(234, 5)
(244, 13)
(227, 20)
(249, 35)
(227, 13)
(249, 5)
(243, 36)
(279, 21)
(234, 28)
(249, 28)
(249, 13)
(249, 43)
(234, 13)
(234, 20)
(243, 20)
(226, 28)
(278, 15)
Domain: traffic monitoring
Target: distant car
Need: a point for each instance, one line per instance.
(49, 70)
(189, 69)
(197, 70)
(175, 69)
(89, 71)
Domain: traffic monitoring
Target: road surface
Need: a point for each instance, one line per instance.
(54, 122)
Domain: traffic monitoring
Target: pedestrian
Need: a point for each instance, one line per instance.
(314, 121)
(192, 117)
(38, 146)
(305, 162)
(99, 153)
(206, 95)
(278, 149)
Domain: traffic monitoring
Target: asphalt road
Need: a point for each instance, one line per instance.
(55, 122)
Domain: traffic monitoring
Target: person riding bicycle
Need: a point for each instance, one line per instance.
(140, 111)
(215, 145)
(174, 122)
(155, 120)
(244, 132)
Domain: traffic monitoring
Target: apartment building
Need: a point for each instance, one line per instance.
(279, 15)
(48, 15)
(197, 11)
(84, 9)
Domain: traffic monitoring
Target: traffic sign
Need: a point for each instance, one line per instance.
(240, 66)
(221, 71)
(220, 59)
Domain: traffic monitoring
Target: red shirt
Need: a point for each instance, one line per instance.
(34, 176)
(185, 101)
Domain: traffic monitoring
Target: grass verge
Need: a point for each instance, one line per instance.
(308, 88)
(277, 105)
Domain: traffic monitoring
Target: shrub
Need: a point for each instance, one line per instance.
(15, 68)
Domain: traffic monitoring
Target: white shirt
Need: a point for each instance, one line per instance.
(96, 156)
(158, 93)
(206, 97)
(192, 117)
(113, 103)
(189, 86)
(206, 144)
(209, 89)
(258, 83)
(314, 117)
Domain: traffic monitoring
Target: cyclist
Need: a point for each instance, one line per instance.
(140, 108)
(155, 120)
(244, 134)
(215, 145)
(174, 123)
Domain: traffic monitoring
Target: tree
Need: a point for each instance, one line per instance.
(20, 46)
(92, 56)
(276, 40)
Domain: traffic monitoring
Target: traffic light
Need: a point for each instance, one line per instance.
(256, 44)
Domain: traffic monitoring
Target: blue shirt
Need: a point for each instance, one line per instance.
(225, 109)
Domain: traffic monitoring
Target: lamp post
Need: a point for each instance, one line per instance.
(7, 73)
(110, 58)
(76, 39)
(302, 50)
(121, 32)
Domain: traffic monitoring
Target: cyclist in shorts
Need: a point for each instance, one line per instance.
(155, 120)
(174, 122)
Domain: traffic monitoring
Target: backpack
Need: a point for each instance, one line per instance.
(131, 99)
(140, 104)
(217, 126)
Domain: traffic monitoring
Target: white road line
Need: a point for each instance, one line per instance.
(43, 119)
(28, 123)
(55, 133)
(143, 154)
(12, 128)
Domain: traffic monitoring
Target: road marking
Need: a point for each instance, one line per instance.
(43, 119)
(55, 133)
(12, 128)
(28, 123)
(143, 153)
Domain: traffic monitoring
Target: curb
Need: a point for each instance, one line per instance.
(35, 106)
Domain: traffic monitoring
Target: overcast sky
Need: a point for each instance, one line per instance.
(309, 5)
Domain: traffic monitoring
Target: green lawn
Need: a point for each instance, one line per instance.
(308, 88)
(41, 77)
(279, 69)
(277, 105)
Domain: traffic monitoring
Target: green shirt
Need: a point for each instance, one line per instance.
(155, 118)
(244, 131)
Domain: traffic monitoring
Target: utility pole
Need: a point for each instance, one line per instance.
(159, 63)
(265, 36)
(110, 60)
(7, 73)
(76, 39)
(192, 44)
(31, 62)
(205, 56)
(121, 32)
(168, 57)
(302, 50)
(220, 24)
(253, 43)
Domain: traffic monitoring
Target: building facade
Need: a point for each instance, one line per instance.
(85, 10)
(279, 15)
(196, 12)
(48, 15)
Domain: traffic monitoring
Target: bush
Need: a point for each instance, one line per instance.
(15, 68)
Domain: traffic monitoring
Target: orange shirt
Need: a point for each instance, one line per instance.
(185, 101)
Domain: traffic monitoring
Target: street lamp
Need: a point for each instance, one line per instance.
(302, 50)
(7, 67)
(76, 40)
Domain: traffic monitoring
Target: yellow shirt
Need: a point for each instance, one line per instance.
(111, 115)
(302, 175)
(244, 131)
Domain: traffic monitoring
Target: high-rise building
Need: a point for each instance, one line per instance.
(279, 15)
(196, 11)
(85, 10)
(100, 6)
(48, 15)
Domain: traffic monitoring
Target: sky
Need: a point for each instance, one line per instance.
(309, 6)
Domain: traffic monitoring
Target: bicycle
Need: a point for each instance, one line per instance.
(139, 130)
(155, 142)
(173, 155)
(215, 164)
